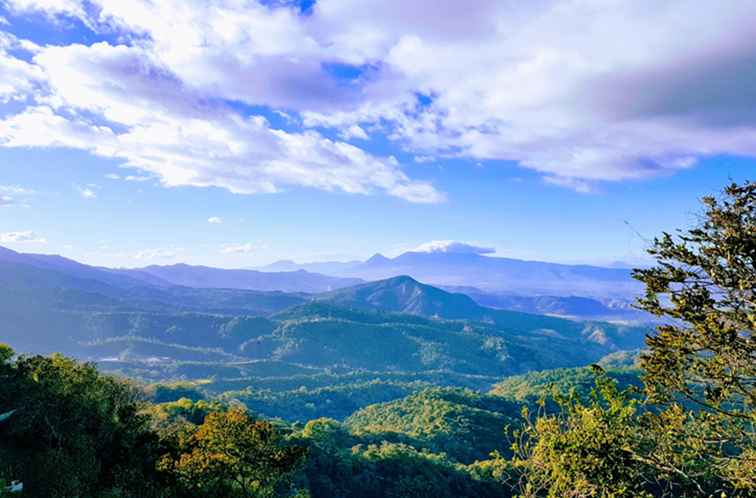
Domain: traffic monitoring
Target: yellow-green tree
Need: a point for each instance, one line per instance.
(232, 455)
(692, 434)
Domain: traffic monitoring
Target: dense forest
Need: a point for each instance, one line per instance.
(675, 419)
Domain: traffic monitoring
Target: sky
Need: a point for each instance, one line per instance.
(235, 133)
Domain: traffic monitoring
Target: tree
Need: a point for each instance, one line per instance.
(232, 455)
(612, 445)
(584, 449)
(705, 282)
(693, 433)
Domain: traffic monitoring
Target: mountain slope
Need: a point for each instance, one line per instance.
(406, 295)
(183, 275)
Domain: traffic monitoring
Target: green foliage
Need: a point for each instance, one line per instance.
(618, 445)
(533, 387)
(337, 401)
(393, 470)
(585, 450)
(465, 425)
(611, 446)
(74, 432)
(183, 410)
(704, 282)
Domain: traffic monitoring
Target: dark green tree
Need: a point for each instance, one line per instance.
(74, 432)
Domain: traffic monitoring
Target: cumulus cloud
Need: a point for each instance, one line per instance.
(27, 236)
(215, 220)
(120, 102)
(581, 92)
(238, 248)
(452, 247)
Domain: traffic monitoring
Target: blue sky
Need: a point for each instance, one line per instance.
(237, 133)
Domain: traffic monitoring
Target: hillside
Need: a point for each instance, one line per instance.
(532, 386)
(406, 295)
(578, 307)
(465, 425)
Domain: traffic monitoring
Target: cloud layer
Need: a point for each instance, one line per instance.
(26, 236)
(452, 247)
(581, 91)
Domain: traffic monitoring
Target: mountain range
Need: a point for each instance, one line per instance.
(52, 302)
(356, 345)
(486, 273)
(207, 277)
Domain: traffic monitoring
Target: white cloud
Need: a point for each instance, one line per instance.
(86, 192)
(171, 133)
(452, 247)
(15, 190)
(13, 195)
(354, 131)
(579, 91)
(72, 8)
(575, 184)
(215, 220)
(158, 253)
(18, 78)
(238, 248)
(27, 236)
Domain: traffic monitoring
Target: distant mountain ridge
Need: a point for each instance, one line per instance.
(487, 273)
(185, 275)
(208, 277)
(578, 307)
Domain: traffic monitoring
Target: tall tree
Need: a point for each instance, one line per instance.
(705, 283)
